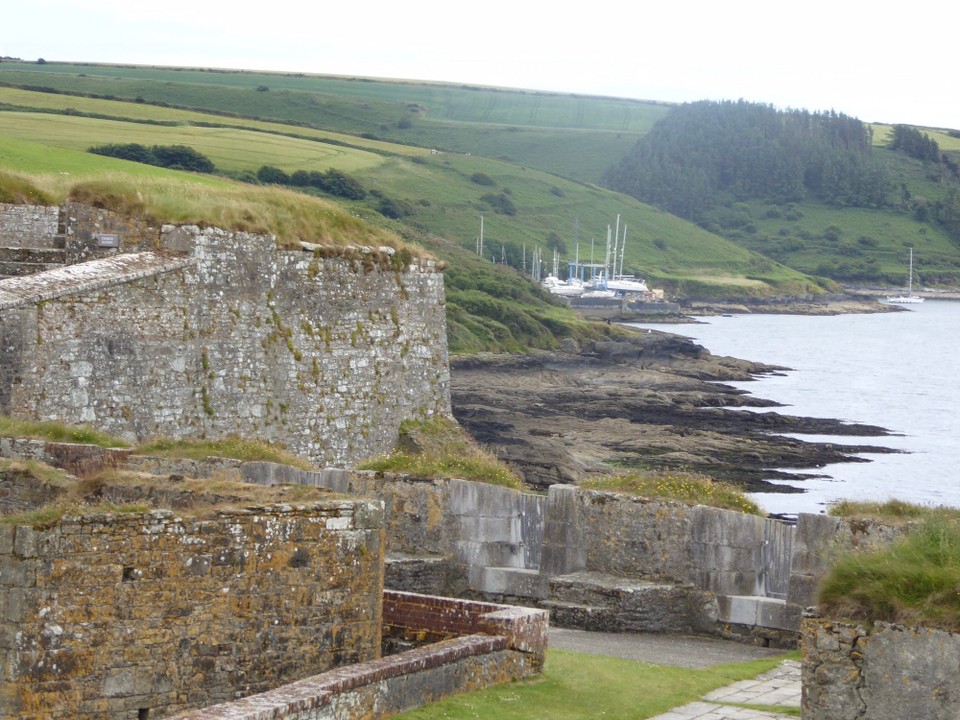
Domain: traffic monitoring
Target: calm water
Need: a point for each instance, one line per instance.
(897, 370)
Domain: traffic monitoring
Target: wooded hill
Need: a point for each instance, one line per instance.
(432, 158)
(728, 166)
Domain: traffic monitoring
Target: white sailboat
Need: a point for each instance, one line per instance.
(909, 298)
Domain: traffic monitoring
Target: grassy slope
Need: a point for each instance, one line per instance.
(443, 199)
(569, 135)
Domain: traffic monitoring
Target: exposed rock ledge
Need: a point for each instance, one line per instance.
(654, 401)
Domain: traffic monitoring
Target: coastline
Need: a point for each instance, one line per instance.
(656, 400)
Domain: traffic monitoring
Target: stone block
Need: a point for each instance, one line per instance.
(516, 582)
(738, 609)
(778, 614)
(6, 538)
(25, 542)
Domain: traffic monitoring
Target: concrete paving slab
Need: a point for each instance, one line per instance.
(660, 649)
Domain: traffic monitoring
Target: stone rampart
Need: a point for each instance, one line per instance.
(229, 337)
(888, 672)
(819, 538)
(144, 614)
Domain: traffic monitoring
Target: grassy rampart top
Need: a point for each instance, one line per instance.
(169, 197)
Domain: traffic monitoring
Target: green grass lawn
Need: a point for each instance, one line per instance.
(576, 686)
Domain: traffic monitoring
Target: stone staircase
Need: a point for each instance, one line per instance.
(606, 603)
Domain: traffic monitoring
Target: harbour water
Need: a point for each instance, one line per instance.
(899, 370)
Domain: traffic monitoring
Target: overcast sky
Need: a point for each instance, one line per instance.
(876, 61)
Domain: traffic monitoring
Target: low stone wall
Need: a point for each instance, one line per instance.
(889, 672)
(450, 534)
(503, 644)
(142, 614)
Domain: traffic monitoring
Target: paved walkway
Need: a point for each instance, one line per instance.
(779, 687)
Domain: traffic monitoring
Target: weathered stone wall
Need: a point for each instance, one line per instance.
(443, 535)
(145, 614)
(890, 672)
(29, 226)
(570, 530)
(35, 238)
(716, 550)
(325, 355)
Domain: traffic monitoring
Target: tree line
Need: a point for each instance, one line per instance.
(176, 157)
(709, 153)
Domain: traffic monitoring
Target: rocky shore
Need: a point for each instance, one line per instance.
(655, 400)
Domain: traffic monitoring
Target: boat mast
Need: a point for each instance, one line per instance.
(910, 275)
(623, 247)
(615, 242)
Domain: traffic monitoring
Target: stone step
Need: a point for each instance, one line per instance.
(582, 617)
(754, 610)
(630, 604)
(513, 581)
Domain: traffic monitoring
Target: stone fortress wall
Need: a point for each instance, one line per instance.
(599, 560)
(144, 614)
(209, 333)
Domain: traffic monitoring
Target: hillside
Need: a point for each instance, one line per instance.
(817, 191)
(433, 158)
(569, 135)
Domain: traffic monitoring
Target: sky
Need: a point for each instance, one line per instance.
(875, 61)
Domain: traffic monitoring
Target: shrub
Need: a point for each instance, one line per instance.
(181, 157)
(500, 203)
(177, 157)
(270, 175)
(482, 179)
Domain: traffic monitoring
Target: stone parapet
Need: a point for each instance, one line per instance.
(468, 646)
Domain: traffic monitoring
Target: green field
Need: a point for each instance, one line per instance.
(576, 686)
(572, 135)
(228, 148)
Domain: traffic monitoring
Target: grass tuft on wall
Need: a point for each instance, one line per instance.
(439, 447)
(685, 487)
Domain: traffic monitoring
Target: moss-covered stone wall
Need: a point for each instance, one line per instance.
(133, 615)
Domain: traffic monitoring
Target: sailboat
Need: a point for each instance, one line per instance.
(909, 298)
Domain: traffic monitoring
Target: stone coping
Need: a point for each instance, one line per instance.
(320, 690)
(88, 276)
